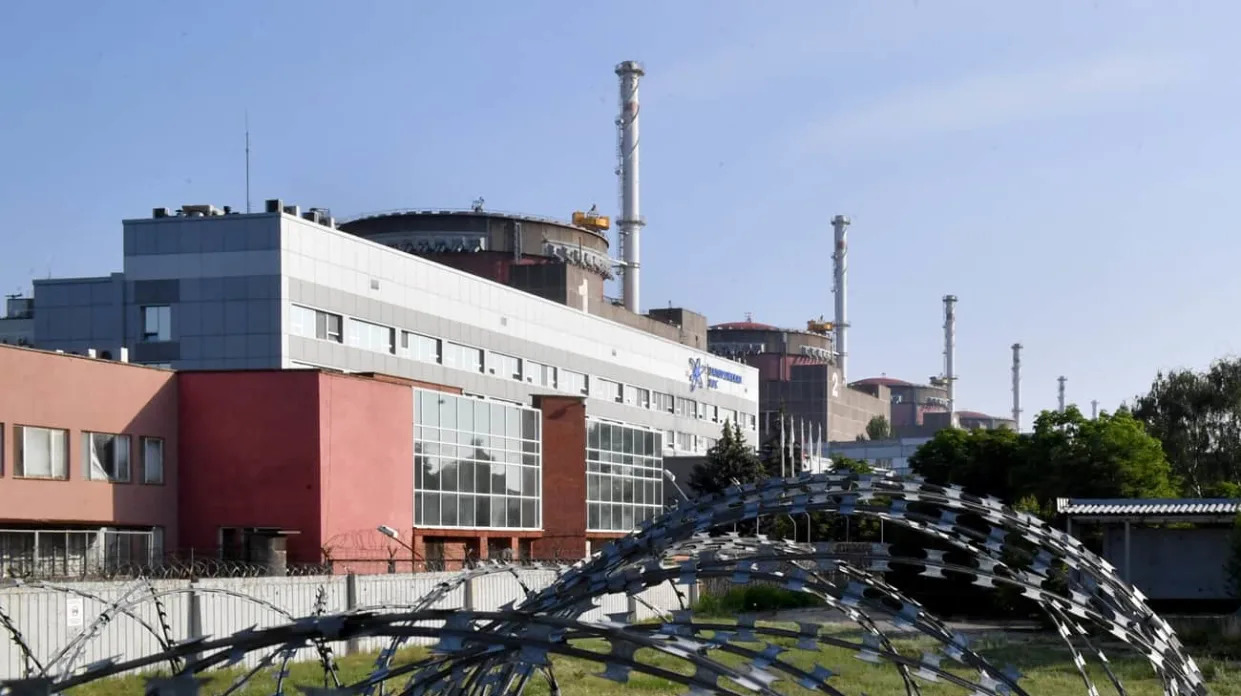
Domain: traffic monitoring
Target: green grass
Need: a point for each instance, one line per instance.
(754, 598)
(1042, 659)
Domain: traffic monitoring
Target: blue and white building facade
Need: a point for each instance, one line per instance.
(206, 290)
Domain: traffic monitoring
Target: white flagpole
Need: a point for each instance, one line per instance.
(804, 442)
(781, 443)
(818, 449)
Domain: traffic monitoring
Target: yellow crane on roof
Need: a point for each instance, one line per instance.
(591, 219)
(819, 326)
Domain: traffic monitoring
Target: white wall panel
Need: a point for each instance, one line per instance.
(347, 263)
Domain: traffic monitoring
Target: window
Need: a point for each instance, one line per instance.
(419, 347)
(728, 415)
(540, 374)
(157, 323)
(152, 460)
(644, 398)
(624, 476)
(41, 453)
(463, 357)
(709, 412)
(685, 442)
(477, 464)
(368, 336)
(574, 382)
(105, 457)
(313, 323)
(686, 407)
(670, 440)
(608, 390)
(502, 365)
(662, 402)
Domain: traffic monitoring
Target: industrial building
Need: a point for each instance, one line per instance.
(17, 324)
(209, 290)
(106, 465)
(798, 377)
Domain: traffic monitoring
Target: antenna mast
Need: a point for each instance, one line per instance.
(247, 161)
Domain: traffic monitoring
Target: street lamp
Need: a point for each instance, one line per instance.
(673, 480)
(396, 536)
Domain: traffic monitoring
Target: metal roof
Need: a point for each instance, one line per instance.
(885, 381)
(745, 326)
(1148, 506)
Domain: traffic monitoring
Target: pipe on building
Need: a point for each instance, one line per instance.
(631, 222)
(840, 226)
(1017, 387)
(950, 354)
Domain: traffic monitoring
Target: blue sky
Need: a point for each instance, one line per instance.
(1066, 168)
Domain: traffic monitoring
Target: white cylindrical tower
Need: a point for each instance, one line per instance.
(1017, 387)
(1062, 379)
(840, 259)
(950, 354)
(631, 222)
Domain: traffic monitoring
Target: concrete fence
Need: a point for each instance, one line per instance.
(49, 620)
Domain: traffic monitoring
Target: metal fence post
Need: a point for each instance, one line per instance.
(631, 606)
(693, 594)
(194, 622)
(467, 594)
(352, 645)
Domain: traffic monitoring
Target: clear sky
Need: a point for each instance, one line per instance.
(1068, 168)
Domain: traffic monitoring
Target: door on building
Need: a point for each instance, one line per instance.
(435, 554)
(500, 549)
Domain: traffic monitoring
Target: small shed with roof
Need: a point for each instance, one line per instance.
(1170, 548)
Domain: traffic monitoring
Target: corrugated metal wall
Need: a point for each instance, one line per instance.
(52, 619)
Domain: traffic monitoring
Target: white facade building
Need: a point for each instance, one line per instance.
(276, 290)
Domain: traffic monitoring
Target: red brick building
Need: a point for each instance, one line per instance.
(296, 466)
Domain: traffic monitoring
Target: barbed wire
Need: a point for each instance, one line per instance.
(493, 653)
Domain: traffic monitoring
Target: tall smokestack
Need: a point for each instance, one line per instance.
(950, 354)
(840, 225)
(1094, 409)
(1017, 387)
(631, 222)
(1062, 379)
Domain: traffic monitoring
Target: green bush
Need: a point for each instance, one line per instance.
(754, 598)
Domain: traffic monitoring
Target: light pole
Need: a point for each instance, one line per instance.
(673, 480)
(396, 536)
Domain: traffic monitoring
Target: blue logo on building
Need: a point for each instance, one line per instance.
(703, 376)
(697, 374)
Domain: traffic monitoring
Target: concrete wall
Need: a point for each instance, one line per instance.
(1172, 563)
(250, 443)
(50, 390)
(804, 396)
(366, 465)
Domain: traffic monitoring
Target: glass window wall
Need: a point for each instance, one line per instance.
(477, 464)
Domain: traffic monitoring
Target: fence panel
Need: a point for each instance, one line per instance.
(49, 619)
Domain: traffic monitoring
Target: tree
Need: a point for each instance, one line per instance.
(729, 461)
(878, 428)
(1067, 455)
(1197, 417)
